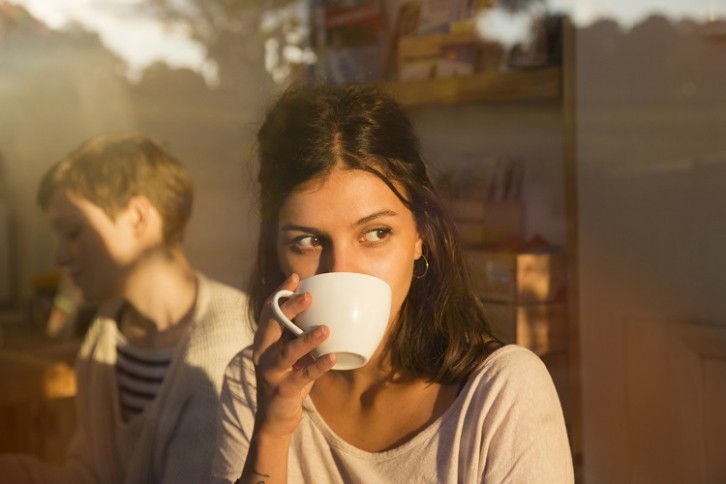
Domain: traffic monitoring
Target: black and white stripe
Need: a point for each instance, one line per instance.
(140, 373)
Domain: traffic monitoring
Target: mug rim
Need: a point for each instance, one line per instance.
(344, 273)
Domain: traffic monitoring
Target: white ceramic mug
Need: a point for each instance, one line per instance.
(355, 307)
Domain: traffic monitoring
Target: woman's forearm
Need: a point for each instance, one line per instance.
(266, 461)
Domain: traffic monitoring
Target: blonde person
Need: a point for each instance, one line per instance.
(150, 369)
(344, 189)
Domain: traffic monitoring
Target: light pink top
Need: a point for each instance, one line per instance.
(506, 425)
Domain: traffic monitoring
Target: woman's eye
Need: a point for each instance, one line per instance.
(376, 235)
(306, 243)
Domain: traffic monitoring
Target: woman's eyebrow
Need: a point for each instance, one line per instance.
(357, 223)
(299, 228)
(373, 216)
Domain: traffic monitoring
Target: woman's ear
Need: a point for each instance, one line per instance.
(418, 248)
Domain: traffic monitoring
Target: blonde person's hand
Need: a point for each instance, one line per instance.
(284, 368)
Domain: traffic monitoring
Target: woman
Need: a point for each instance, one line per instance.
(150, 369)
(344, 188)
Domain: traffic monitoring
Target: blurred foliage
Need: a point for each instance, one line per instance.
(519, 5)
(240, 35)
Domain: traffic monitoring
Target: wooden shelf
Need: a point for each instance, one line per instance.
(513, 85)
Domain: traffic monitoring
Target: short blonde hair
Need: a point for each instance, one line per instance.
(110, 169)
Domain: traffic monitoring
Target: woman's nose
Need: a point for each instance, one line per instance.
(339, 259)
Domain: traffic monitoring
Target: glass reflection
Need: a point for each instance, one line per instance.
(647, 105)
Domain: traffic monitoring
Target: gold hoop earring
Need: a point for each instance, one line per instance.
(426, 268)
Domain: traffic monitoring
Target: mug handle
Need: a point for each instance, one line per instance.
(278, 312)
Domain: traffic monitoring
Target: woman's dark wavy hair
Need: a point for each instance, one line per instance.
(442, 334)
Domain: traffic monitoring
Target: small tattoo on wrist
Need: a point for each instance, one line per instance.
(261, 474)
(256, 473)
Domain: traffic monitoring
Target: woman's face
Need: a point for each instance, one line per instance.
(349, 221)
(95, 249)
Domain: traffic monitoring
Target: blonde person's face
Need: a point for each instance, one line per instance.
(94, 248)
(350, 221)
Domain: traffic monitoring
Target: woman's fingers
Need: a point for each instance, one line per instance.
(270, 331)
(309, 369)
(291, 361)
(284, 365)
(295, 354)
(281, 356)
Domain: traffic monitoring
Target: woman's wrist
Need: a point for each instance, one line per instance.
(267, 458)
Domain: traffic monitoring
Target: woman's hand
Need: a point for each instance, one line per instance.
(284, 368)
(285, 374)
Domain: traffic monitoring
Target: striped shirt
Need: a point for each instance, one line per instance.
(140, 373)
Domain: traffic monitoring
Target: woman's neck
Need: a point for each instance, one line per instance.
(374, 412)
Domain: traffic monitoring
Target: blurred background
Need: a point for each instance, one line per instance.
(581, 146)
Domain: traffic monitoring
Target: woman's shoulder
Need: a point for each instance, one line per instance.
(512, 403)
(511, 368)
(511, 356)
